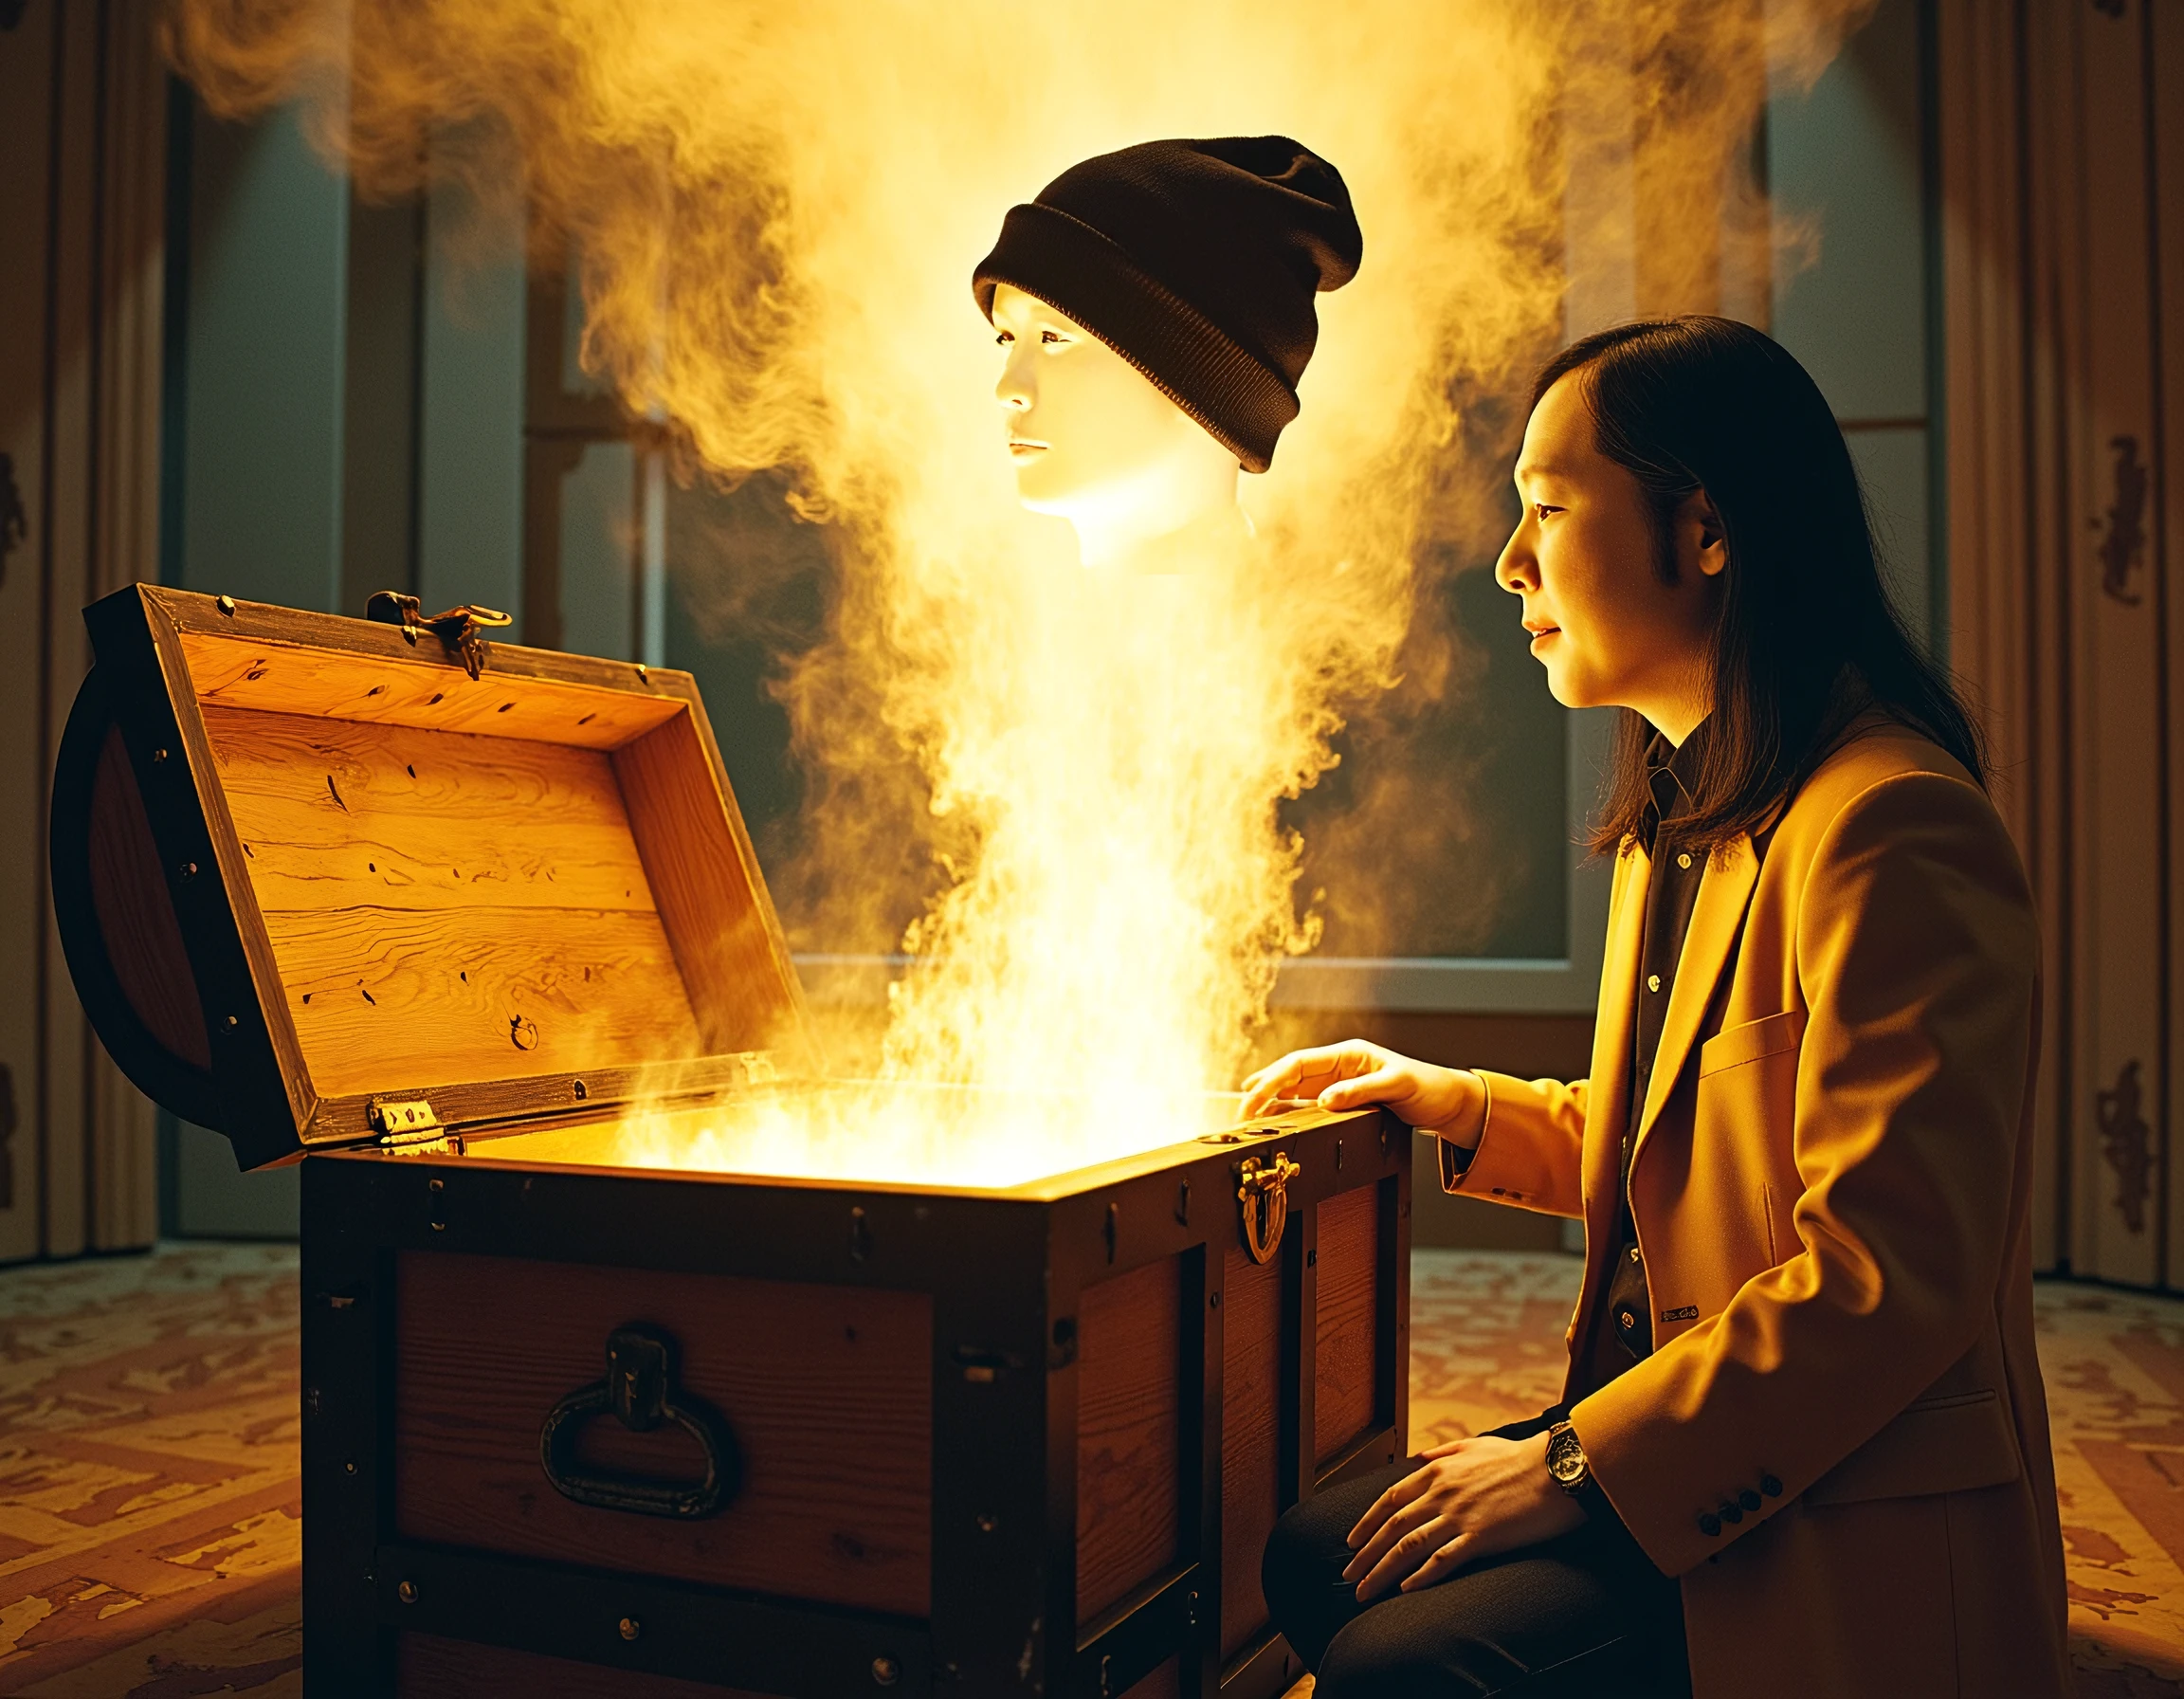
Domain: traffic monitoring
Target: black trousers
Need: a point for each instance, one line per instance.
(1582, 1616)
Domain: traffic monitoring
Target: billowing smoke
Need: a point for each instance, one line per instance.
(777, 207)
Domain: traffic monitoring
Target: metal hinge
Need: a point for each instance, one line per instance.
(758, 1068)
(406, 1125)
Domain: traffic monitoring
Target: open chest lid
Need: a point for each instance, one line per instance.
(319, 884)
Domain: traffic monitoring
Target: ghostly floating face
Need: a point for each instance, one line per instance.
(1093, 441)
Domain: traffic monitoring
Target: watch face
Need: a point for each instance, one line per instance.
(1565, 1457)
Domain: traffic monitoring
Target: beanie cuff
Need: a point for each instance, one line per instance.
(1064, 261)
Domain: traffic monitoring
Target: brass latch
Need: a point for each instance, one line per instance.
(458, 629)
(1265, 1195)
(404, 1124)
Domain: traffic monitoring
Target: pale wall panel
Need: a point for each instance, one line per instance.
(1850, 297)
(2167, 70)
(264, 466)
(79, 385)
(264, 353)
(75, 329)
(2065, 214)
(470, 459)
(25, 116)
(2116, 754)
(1843, 164)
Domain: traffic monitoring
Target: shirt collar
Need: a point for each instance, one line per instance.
(1672, 777)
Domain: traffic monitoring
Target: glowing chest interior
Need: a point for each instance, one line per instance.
(632, 1341)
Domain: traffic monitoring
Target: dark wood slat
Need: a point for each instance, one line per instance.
(1250, 1440)
(1164, 1683)
(829, 1390)
(737, 1641)
(1129, 1433)
(1345, 1339)
(110, 841)
(135, 915)
(430, 1667)
(497, 1112)
(246, 1007)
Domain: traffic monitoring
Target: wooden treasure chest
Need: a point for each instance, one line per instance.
(448, 919)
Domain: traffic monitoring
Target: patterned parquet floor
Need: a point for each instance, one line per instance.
(150, 1509)
(150, 1506)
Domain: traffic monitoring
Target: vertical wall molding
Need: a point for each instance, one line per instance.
(129, 284)
(2063, 208)
(82, 212)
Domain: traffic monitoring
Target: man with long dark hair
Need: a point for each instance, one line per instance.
(1803, 1445)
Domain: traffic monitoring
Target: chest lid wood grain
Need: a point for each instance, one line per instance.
(320, 887)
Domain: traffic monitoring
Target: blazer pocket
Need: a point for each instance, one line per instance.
(1949, 1444)
(1734, 1046)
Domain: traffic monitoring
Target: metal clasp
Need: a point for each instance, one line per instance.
(1265, 1195)
(458, 629)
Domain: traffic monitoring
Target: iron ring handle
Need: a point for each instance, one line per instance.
(639, 1391)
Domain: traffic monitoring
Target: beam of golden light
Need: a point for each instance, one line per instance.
(777, 207)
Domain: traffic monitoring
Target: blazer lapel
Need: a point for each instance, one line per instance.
(1716, 917)
(1610, 1092)
(1607, 1093)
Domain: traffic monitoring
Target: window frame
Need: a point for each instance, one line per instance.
(1565, 985)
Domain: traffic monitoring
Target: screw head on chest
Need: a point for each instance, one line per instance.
(886, 1672)
(630, 1628)
(405, 1592)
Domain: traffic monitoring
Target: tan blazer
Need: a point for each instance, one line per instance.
(1840, 1442)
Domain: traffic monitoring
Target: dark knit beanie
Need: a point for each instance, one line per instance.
(1196, 261)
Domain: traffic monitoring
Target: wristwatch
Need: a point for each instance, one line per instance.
(1566, 1459)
